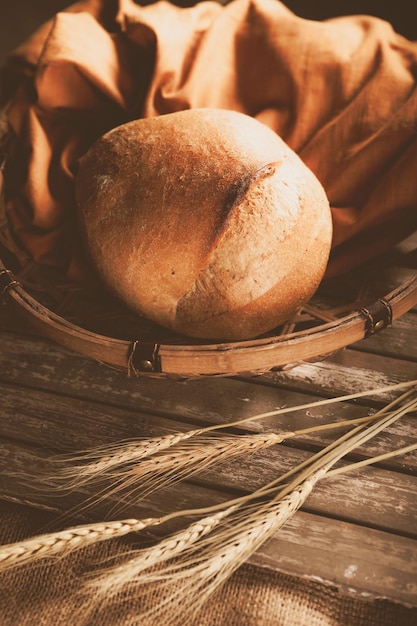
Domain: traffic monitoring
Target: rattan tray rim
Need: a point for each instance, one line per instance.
(228, 358)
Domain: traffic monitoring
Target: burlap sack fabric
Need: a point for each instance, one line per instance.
(44, 594)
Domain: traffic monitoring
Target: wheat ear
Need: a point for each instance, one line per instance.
(109, 457)
(63, 542)
(183, 462)
(73, 538)
(188, 576)
(186, 582)
(164, 550)
(136, 469)
(126, 478)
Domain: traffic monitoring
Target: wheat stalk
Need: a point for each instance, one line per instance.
(375, 459)
(66, 541)
(188, 580)
(63, 542)
(183, 462)
(134, 469)
(165, 549)
(317, 403)
(124, 477)
(185, 583)
(108, 457)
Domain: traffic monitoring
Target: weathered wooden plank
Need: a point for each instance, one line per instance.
(113, 423)
(347, 371)
(43, 365)
(350, 497)
(369, 561)
(398, 340)
(59, 422)
(356, 560)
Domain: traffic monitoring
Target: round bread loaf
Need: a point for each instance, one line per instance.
(204, 221)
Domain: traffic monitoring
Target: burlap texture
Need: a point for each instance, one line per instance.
(44, 594)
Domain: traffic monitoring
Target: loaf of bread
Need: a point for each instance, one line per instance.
(204, 221)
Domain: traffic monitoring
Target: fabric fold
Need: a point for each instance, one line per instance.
(340, 92)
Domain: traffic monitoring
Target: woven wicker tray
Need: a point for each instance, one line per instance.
(95, 325)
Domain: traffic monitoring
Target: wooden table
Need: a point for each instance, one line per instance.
(356, 532)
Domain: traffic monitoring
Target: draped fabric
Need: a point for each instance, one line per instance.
(340, 92)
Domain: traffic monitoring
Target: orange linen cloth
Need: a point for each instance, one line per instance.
(342, 93)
